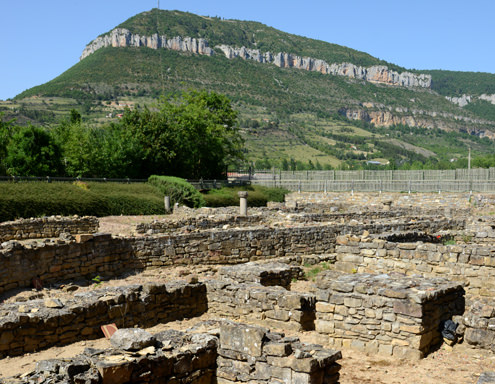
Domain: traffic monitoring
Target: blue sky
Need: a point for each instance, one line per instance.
(42, 39)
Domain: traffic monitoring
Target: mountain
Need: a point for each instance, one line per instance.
(299, 99)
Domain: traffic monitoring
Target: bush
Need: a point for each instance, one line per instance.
(258, 196)
(35, 199)
(179, 190)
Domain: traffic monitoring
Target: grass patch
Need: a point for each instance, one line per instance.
(312, 272)
(258, 196)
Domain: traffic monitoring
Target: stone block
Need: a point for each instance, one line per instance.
(242, 338)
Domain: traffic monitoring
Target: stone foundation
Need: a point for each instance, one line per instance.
(273, 307)
(107, 256)
(250, 354)
(53, 226)
(392, 315)
(266, 274)
(478, 324)
(37, 324)
(240, 353)
(471, 264)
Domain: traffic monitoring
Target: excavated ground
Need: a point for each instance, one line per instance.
(460, 364)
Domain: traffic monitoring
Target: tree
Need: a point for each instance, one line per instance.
(191, 136)
(6, 131)
(31, 151)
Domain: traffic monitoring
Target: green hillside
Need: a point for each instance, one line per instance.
(238, 33)
(286, 115)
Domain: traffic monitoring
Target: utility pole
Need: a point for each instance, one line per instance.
(158, 4)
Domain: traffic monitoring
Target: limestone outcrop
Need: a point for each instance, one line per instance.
(415, 118)
(464, 100)
(121, 37)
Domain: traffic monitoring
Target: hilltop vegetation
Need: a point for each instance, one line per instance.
(249, 34)
(289, 118)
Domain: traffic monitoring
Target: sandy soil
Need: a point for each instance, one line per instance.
(460, 364)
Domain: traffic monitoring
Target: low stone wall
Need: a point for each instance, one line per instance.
(391, 315)
(56, 260)
(273, 307)
(53, 226)
(37, 324)
(480, 231)
(175, 357)
(266, 274)
(108, 256)
(365, 201)
(200, 222)
(471, 264)
(239, 353)
(478, 324)
(250, 354)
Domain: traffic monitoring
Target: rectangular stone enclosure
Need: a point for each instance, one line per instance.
(390, 314)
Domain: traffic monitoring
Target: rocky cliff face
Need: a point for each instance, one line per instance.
(464, 100)
(375, 74)
(416, 118)
(121, 37)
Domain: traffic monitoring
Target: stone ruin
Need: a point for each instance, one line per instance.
(444, 262)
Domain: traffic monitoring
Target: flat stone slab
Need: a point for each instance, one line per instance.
(131, 339)
(393, 285)
(267, 274)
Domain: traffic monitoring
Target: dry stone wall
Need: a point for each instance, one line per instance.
(107, 256)
(375, 201)
(478, 323)
(238, 353)
(53, 226)
(174, 357)
(390, 315)
(37, 324)
(56, 260)
(269, 306)
(266, 274)
(471, 264)
(250, 354)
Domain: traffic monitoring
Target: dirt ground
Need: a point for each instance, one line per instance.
(460, 364)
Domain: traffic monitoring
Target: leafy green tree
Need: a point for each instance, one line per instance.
(192, 136)
(6, 131)
(32, 151)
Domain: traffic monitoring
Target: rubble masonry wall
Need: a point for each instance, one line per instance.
(45, 227)
(471, 264)
(38, 324)
(102, 254)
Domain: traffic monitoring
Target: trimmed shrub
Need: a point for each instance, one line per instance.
(36, 199)
(179, 190)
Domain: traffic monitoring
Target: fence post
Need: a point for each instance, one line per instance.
(299, 187)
